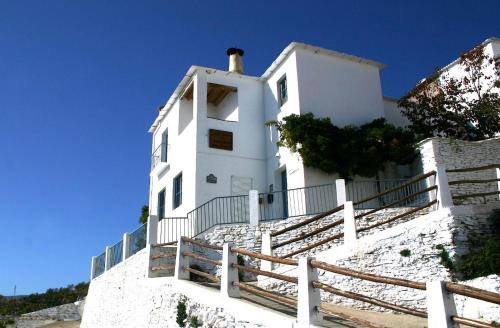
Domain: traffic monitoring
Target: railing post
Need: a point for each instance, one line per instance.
(266, 250)
(350, 231)
(309, 298)
(181, 261)
(229, 273)
(440, 305)
(93, 266)
(152, 230)
(443, 192)
(107, 261)
(253, 204)
(126, 246)
(340, 190)
(498, 177)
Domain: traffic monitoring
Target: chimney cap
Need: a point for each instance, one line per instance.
(232, 51)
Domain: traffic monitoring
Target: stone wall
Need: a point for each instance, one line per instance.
(65, 312)
(124, 297)
(457, 154)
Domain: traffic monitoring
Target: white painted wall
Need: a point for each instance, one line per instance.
(392, 113)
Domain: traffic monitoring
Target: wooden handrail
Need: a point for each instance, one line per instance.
(293, 280)
(164, 244)
(481, 194)
(201, 244)
(319, 243)
(396, 202)
(163, 255)
(472, 323)
(374, 301)
(201, 258)
(202, 274)
(473, 292)
(367, 276)
(388, 191)
(477, 168)
(260, 256)
(457, 182)
(307, 235)
(348, 317)
(306, 222)
(397, 217)
(253, 290)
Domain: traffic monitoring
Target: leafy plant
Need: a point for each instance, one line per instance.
(181, 313)
(241, 261)
(348, 151)
(405, 252)
(144, 214)
(444, 258)
(194, 322)
(482, 260)
(465, 107)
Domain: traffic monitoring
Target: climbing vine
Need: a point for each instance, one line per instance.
(348, 151)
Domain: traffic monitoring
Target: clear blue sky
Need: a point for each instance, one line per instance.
(80, 82)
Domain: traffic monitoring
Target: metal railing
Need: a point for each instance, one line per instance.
(156, 157)
(100, 265)
(220, 210)
(138, 239)
(297, 202)
(116, 253)
(169, 229)
(359, 190)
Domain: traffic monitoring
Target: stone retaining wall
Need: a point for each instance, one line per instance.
(457, 154)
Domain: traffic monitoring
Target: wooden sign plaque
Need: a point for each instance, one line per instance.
(220, 139)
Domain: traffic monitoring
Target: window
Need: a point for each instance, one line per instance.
(282, 90)
(177, 191)
(161, 204)
(164, 145)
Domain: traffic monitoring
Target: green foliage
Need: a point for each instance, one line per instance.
(194, 322)
(181, 313)
(405, 252)
(5, 323)
(34, 302)
(348, 151)
(144, 214)
(466, 108)
(241, 261)
(482, 260)
(444, 258)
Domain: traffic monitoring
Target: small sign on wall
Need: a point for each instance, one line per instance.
(220, 139)
(211, 178)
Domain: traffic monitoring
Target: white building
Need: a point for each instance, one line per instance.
(210, 139)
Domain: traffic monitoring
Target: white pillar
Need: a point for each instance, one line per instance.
(498, 177)
(340, 189)
(253, 204)
(443, 193)
(350, 231)
(126, 246)
(309, 298)
(229, 274)
(181, 261)
(93, 267)
(266, 250)
(152, 230)
(107, 261)
(440, 305)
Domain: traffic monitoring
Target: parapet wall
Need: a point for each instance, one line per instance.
(458, 154)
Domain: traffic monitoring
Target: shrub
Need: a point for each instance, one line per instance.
(241, 261)
(482, 260)
(181, 313)
(444, 257)
(405, 252)
(194, 322)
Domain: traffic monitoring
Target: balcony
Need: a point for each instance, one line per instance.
(159, 155)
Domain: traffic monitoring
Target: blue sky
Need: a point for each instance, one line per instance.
(80, 82)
